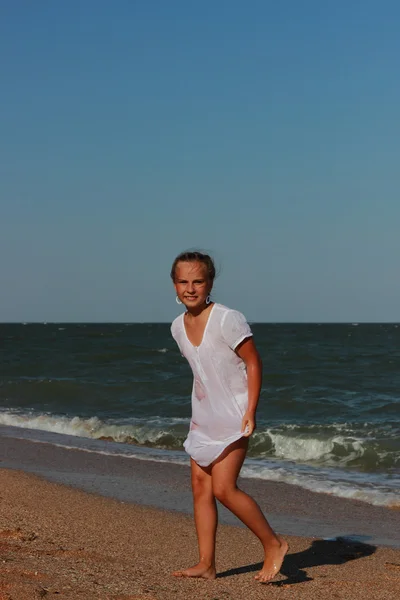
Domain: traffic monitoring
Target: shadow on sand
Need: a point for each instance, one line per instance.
(321, 552)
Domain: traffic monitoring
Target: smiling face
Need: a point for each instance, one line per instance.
(192, 284)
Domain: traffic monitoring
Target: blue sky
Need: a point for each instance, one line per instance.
(265, 132)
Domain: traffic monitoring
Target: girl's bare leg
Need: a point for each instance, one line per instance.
(224, 473)
(205, 516)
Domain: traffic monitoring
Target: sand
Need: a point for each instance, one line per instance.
(60, 542)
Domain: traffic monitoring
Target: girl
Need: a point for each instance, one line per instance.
(227, 370)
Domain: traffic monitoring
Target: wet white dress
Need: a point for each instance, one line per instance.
(220, 392)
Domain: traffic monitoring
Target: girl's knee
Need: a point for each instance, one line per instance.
(223, 492)
(201, 486)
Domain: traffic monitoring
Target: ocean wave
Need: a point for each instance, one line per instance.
(312, 449)
(161, 433)
(365, 447)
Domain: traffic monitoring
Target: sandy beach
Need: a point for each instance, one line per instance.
(59, 541)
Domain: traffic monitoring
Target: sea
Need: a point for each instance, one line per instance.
(328, 417)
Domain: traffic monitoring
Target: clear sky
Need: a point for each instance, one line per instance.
(265, 132)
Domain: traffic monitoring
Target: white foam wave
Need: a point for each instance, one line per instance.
(334, 446)
(142, 431)
(309, 449)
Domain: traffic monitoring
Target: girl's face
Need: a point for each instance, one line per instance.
(192, 283)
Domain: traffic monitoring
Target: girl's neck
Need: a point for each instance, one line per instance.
(196, 312)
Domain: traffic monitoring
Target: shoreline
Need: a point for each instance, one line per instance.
(291, 510)
(57, 540)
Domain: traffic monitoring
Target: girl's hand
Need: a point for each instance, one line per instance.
(248, 424)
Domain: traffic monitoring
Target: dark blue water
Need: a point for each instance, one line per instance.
(329, 412)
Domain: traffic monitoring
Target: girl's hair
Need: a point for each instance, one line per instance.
(195, 256)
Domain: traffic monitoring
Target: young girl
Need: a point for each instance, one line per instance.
(227, 370)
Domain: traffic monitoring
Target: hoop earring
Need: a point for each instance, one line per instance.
(177, 300)
(208, 299)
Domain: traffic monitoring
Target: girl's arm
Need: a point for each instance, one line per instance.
(249, 354)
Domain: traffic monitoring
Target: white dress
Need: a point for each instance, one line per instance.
(220, 393)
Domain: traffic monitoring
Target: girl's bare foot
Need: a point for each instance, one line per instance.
(201, 570)
(273, 561)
